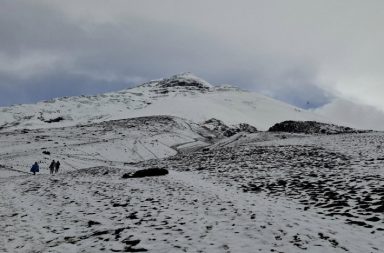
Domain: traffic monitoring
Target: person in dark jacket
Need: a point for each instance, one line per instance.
(52, 167)
(35, 168)
(57, 166)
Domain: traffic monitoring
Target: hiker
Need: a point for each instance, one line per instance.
(52, 167)
(35, 168)
(57, 166)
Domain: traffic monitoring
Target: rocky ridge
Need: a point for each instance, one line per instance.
(312, 127)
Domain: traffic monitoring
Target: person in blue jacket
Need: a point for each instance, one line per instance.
(35, 168)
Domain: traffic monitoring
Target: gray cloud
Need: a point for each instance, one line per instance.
(300, 52)
(356, 115)
(55, 84)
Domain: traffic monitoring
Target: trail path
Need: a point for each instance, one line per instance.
(95, 211)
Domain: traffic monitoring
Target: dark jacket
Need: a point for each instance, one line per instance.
(35, 168)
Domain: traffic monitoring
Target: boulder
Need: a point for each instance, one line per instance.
(146, 173)
(311, 127)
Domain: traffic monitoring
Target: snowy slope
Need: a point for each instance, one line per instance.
(116, 143)
(263, 192)
(183, 95)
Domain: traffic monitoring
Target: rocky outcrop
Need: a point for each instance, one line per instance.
(185, 80)
(221, 129)
(244, 127)
(311, 127)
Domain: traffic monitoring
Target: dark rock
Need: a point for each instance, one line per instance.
(120, 204)
(128, 241)
(359, 223)
(244, 127)
(117, 232)
(92, 223)
(132, 216)
(281, 182)
(222, 129)
(146, 173)
(130, 249)
(230, 132)
(184, 82)
(374, 219)
(58, 119)
(311, 127)
(98, 233)
(379, 209)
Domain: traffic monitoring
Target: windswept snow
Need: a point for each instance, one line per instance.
(251, 192)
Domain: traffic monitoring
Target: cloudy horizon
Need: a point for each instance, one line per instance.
(309, 54)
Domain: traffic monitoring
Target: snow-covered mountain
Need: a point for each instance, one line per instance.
(183, 95)
(301, 186)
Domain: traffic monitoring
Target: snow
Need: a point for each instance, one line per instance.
(7, 172)
(120, 141)
(207, 203)
(369, 117)
(251, 192)
(196, 103)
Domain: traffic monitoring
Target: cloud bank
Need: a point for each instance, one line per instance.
(302, 52)
(356, 115)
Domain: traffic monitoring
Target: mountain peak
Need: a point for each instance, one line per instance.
(186, 79)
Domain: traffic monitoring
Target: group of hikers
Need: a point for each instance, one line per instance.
(53, 167)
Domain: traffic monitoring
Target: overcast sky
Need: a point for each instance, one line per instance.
(307, 53)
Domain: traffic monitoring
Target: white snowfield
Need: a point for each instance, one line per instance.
(119, 142)
(260, 192)
(192, 98)
(250, 192)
